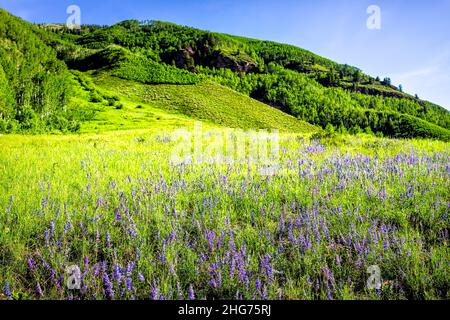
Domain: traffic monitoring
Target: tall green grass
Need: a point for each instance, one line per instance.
(139, 227)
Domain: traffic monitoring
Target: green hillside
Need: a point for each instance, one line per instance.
(295, 81)
(206, 101)
(88, 106)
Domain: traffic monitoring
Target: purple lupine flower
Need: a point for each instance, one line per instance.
(384, 228)
(358, 264)
(220, 240)
(216, 277)
(117, 274)
(129, 269)
(46, 236)
(308, 281)
(86, 260)
(53, 277)
(317, 235)
(267, 268)
(258, 285)
(31, 264)
(118, 215)
(128, 283)
(108, 286)
(191, 293)
(108, 240)
(329, 296)
(45, 202)
(96, 270)
(7, 290)
(231, 241)
(358, 247)
(291, 234)
(141, 277)
(46, 265)
(213, 283)
(264, 293)
(211, 238)
(99, 201)
(103, 266)
(154, 291)
(243, 275)
(386, 242)
(38, 291)
(328, 274)
(307, 243)
(349, 239)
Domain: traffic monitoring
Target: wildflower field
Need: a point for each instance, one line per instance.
(137, 226)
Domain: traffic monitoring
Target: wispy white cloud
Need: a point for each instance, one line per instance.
(428, 72)
(430, 80)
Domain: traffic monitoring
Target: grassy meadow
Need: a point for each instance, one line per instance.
(96, 202)
(140, 227)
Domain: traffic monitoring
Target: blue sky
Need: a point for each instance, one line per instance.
(412, 47)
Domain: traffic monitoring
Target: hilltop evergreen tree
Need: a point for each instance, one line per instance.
(387, 81)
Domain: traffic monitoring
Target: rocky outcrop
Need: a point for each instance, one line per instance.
(181, 58)
(187, 58)
(218, 60)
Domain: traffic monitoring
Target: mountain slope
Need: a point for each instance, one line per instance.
(298, 82)
(55, 97)
(39, 94)
(206, 101)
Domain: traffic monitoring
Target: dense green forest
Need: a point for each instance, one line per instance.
(35, 86)
(296, 81)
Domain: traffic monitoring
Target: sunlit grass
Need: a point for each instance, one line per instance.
(113, 201)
